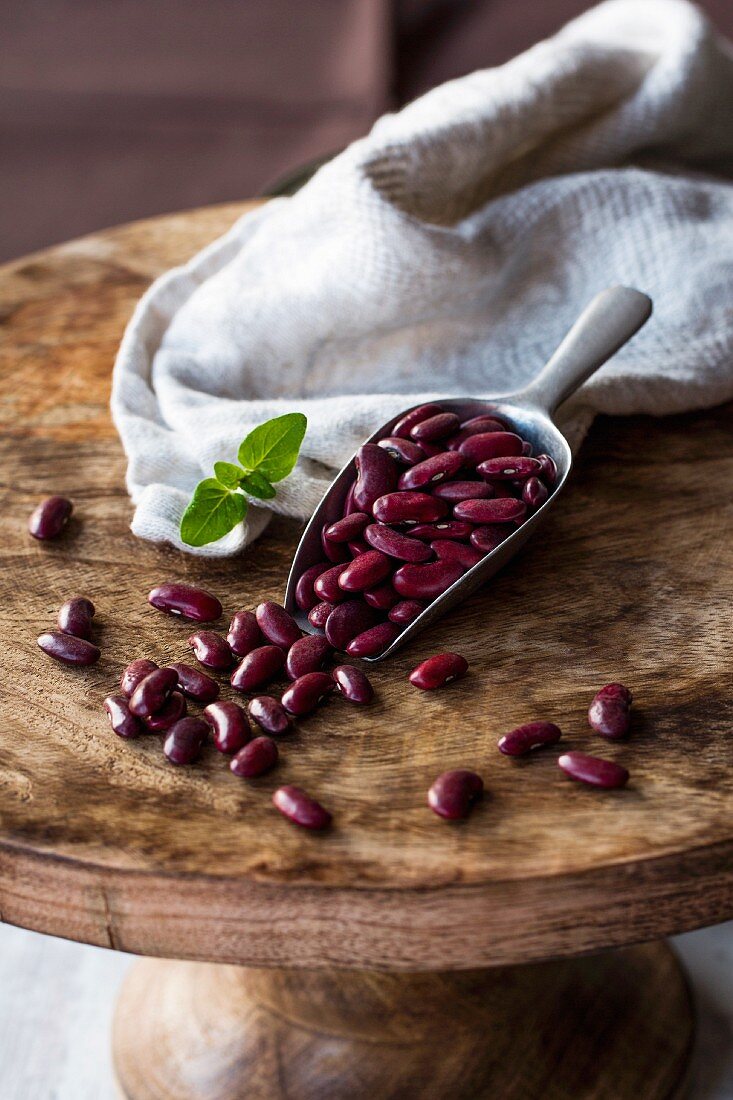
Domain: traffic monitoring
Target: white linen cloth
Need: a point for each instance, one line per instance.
(447, 253)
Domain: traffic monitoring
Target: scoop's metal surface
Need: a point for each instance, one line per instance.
(604, 326)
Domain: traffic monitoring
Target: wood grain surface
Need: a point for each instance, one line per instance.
(102, 840)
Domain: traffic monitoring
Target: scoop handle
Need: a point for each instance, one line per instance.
(603, 327)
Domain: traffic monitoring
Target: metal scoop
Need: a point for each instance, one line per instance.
(603, 327)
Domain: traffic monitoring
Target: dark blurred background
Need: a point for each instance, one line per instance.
(117, 109)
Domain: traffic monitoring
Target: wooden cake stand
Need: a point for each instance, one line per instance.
(398, 955)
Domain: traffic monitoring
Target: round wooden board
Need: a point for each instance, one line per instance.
(101, 840)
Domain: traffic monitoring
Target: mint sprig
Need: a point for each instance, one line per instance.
(219, 503)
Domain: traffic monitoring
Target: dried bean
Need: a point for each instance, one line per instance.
(244, 634)
(357, 546)
(381, 598)
(403, 451)
(347, 620)
(431, 471)
(353, 684)
(258, 668)
(349, 505)
(610, 711)
(454, 794)
(318, 615)
(479, 448)
(168, 715)
(305, 597)
(48, 520)
(481, 425)
(75, 617)
(425, 582)
(487, 538)
(68, 649)
(446, 529)
(229, 724)
(532, 735)
(453, 492)
(404, 426)
(375, 640)
(506, 510)
(508, 469)
(549, 469)
(326, 587)
(211, 650)
(194, 683)
(377, 475)
(300, 808)
(485, 418)
(151, 694)
(348, 528)
(269, 714)
(185, 740)
(134, 673)
(535, 493)
(405, 611)
(185, 600)
(277, 624)
(429, 450)
(334, 551)
(365, 571)
(435, 427)
(408, 507)
(256, 758)
(122, 722)
(448, 550)
(308, 654)
(436, 672)
(593, 770)
(526, 448)
(305, 693)
(394, 543)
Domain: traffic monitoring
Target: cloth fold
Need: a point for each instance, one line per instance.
(447, 253)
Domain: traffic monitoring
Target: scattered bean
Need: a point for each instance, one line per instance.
(347, 620)
(454, 793)
(194, 683)
(305, 693)
(425, 582)
(134, 673)
(405, 424)
(436, 672)
(405, 611)
(408, 507)
(300, 808)
(48, 520)
(168, 715)
(151, 694)
(308, 654)
(211, 650)
(365, 571)
(122, 722)
(229, 724)
(373, 641)
(507, 510)
(435, 427)
(384, 538)
(353, 684)
(610, 711)
(269, 714)
(185, 740)
(68, 649)
(532, 735)
(258, 668)
(256, 758)
(185, 600)
(75, 617)
(348, 528)
(244, 634)
(593, 770)
(277, 624)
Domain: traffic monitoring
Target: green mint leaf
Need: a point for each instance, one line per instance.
(228, 474)
(213, 512)
(257, 486)
(272, 448)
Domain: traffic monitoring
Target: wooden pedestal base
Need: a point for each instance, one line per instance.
(614, 1026)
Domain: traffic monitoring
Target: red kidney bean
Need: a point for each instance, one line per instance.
(211, 650)
(610, 711)
(405, 611)
(258, 668)
(269, 714)
(549, 469)
(436, 672)
(347, 620)
(305, 693)
(277, 624)
(408, 506)
(122, 722)
(479, 448)
(300, 808)
(151, 694)
(75, 617)
(48, 520)
(134, 673)
(487, 538)
(404, 426)
(357, 546)
(593, 770)
(334, 551)
(353, 684)
(185, 600)
(305, 597)
(454, 794)
(485, 418)
(429, 450)
(480, 425)
(403, 451)
(534, 493)
(446, 529)
(185, 740)
(230, 727)
(194, 683)
(377, 475)
(366, 571)
(526, 448)
(381, 598)
(326, 587)
(244, 634)
(425, 582)
(431, 471)
(349, 505)
(448, 550)
(532, 735)
(318, 615)
(394, 543)
(453, 492)
(507, 510)
(308, 654)
(348, 528)
(435, 427)
(68, 649)
(256, 758)
(508, 469)
(168, 715)
(373, 641)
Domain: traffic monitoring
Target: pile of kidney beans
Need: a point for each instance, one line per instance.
(428, 503)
